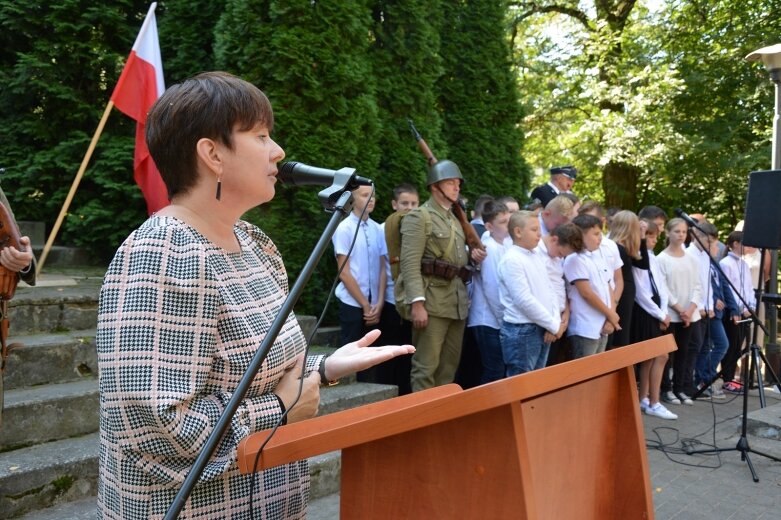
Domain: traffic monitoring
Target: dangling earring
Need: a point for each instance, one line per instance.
(219, 187)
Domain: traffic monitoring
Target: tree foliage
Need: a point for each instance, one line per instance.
(187, 36)
(312, 60)
(59, 63)
(479, 99)
(660, 109)
(406, 64)
(599, 96)
(726, 110)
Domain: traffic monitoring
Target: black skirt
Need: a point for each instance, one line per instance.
(644, 326)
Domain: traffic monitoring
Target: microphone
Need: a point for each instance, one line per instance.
(300, 174)
(682, 214)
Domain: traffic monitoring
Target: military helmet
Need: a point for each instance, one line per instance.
(443, 170)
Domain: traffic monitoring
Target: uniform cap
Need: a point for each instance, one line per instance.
(569, 171)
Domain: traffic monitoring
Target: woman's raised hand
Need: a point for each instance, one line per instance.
(357, 356)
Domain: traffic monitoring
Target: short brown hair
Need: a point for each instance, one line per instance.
(592, 207)
(585, 221)
(652, 228)
(569, 234)
(560, 205)
(492, 209)
(209, 105)
(733, 238)
(404, 187)
(519, 220)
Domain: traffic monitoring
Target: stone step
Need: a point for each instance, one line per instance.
(33, 229)
(54, 473)
(323, 508)
(60, 357)
(343, 397)
(63, 302)
(323, 469)
(40, 476)
(68, 300)
(61, 256)
(69, 362)
(51, 358)
(328, 337)
(82, 509)
(47, 413)
(55, 308)
(766, 422)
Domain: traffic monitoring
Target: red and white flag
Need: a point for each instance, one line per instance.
(138, 87)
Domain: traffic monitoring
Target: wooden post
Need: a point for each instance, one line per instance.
(74, 186)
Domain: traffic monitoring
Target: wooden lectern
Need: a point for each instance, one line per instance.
(562, 442)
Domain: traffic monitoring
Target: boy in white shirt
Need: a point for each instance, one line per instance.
(485, 310)
(361, 292)
(608, 249)
(562, 242)
(738, 273)
(531, 317)
(395, 329)
(592, 308)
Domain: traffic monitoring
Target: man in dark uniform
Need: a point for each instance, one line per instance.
(562, 178)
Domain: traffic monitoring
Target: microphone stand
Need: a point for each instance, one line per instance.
(336, 199)
(747, 371)
(754, 319)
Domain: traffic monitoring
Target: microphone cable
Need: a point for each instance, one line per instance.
(283, 417)
(691, 444)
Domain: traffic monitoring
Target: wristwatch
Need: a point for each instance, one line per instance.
(324, 381)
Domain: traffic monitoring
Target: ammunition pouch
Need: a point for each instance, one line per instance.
(442, 269)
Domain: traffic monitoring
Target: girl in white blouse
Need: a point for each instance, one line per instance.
(681, 275)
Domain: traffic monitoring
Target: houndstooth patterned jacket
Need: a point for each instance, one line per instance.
(178, 323)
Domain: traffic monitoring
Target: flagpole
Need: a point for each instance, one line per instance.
(74, 186)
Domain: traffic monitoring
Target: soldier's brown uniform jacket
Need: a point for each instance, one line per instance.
(445, 240)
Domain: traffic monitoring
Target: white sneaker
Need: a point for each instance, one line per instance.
(644, 404)
(718, 393)
(658, 410)
(685, 399)
(669, 397)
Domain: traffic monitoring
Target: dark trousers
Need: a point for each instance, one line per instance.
(470, 366)
(684, 357)
(696, 340)
(490, 347)
(395, 331)
(736, 335)
(560, 351)
(353, 329)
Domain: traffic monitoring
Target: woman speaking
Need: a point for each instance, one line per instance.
(186, 302)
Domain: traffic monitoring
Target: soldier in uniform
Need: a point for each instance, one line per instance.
(562, 178)
(431, 282)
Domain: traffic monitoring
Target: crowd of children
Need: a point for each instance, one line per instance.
(554, 286)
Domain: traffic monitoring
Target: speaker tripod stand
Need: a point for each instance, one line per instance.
(748, 368)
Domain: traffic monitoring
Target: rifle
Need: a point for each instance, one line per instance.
(9, 236)
(472, 240)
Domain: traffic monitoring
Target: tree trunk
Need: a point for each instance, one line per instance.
(619, 182)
